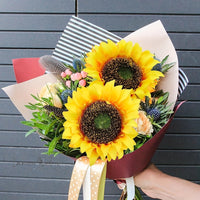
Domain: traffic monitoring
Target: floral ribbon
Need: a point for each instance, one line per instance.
(91, 177)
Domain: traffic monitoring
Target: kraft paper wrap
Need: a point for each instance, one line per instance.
(152, 37)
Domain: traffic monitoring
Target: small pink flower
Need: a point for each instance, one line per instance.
(68, 84)
(84, 74)
(63, 74)
(68, 72)
(82, 82)
(76, 76)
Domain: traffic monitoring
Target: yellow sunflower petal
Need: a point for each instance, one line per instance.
(112, 152)
(100, 153)
(129, 130)
(136, 52)
(120, 154)
(128, 142)
(145, 58)
(109, 158)
(93, 156)
(85, 145)
(76, 141)
(104, 149)
(66, 133)
(140, 93)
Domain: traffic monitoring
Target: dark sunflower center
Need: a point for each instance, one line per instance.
(124, 71)
(101, 122)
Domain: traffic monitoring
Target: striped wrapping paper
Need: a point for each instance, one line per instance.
(79, 36)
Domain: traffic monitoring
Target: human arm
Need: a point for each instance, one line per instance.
(157, 184)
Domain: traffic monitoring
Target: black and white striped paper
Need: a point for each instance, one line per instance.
(183, 81)
(79, 36)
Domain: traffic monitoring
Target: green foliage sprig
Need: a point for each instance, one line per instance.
(163, 66)
(50, 128)
(161, 105)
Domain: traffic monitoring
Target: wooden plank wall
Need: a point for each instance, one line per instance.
(32, 28)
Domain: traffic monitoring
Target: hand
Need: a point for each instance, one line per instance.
(146, 179)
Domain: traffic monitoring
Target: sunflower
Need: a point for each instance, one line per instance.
(125, 63)
(100, 121)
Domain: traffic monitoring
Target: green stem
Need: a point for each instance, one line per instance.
(137, 194)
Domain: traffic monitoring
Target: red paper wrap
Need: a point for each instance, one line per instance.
(27, 68)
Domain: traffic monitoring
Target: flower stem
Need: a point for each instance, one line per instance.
(137, 194)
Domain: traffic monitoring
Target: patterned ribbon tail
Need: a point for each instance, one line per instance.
(78, 175)
(91, 177)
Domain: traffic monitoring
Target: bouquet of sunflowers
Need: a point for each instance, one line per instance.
(104, 106)
(107, 106)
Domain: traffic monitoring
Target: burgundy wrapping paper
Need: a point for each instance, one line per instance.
(133, 163)
(27, 68)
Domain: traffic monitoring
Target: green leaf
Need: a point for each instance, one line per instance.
(56, 153)
(164, 60)
(71, 68)
(75, 85)
(36, 114)
(28, 123)
(52, 144)
(166, 67)
(31, 107)
(49, 126)
(163, 99)
(36, 97)
(157, 125)
(45, 153)
(40, 125)
(30, 132)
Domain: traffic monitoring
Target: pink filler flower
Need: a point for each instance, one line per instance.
(68, 84)
(82, 82)
(63, 74)
(68, 72)
(76, 76)
(84, 74)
